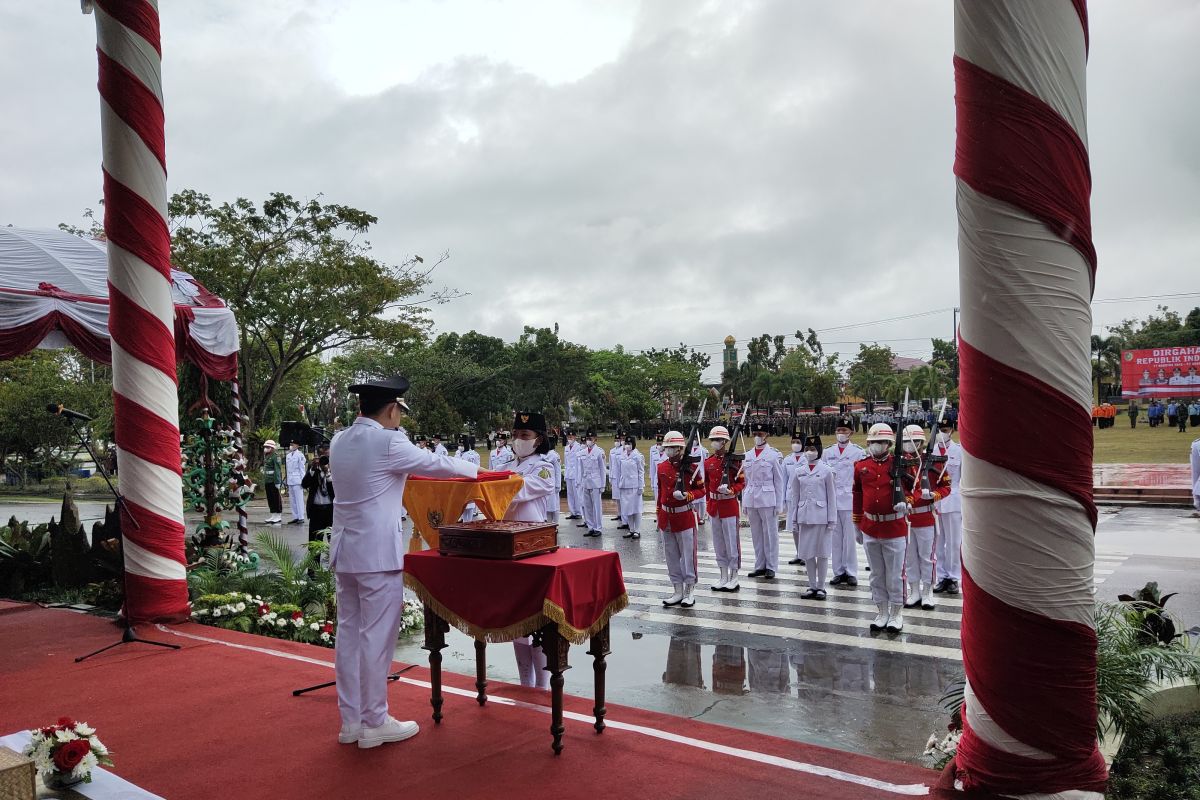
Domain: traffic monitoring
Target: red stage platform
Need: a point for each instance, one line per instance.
(217, 720)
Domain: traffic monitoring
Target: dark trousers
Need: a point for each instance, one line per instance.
(1194, 420)
(319, 518)
(274, 501)
(1133, 422)
(1172, 420)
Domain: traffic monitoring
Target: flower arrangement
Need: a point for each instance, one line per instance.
(940, 751)
(253, 614)
(66, 753)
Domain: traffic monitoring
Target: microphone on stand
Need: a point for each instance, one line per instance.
(58, 410)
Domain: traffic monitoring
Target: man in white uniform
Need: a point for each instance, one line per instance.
(553, 503)
(629, 472)
(501, 456)
(372, 460)
(763, 500)
(841, 458)
(614, 477)
(571, 471)
(949, 516)
(699, 451)
(438, 447)
(296, 465)
(789, 464)
(592, 475)
(657, 455)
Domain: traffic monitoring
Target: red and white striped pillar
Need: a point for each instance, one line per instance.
(142, 314)
(1027, 270)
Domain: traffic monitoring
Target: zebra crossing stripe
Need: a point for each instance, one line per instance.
(892, 643)
(708, 607)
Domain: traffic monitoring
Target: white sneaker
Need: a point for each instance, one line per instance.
(719, 586)
(927, 601)
(895, 622)
(349, 734)
(392, 730)
(881, 619)
(674, 599)
(732, 584)
(689, 598)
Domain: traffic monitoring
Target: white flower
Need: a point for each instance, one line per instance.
(314, 626)
(240, 607)
(216, 612)
(282, 623)
(97, 746)
(324, 637)
(298, 621)
(83, 729)
(84, 767)
(65, 736)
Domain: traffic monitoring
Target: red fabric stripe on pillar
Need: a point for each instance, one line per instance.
(137, 15)
(1065, 465)
(1015, 148)
(134, 225)
(145, 434)
(135, 104)
(159, 535)
(141, 334)
(1063, 657)
(155, 600)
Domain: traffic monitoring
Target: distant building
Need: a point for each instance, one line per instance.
(902, 364)
(729, 358)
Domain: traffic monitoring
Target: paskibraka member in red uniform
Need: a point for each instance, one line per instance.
(724, 510)
(677, 520)
(884, 528)
(919, 560)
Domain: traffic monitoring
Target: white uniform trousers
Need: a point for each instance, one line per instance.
(469, 513)
(701, 509)
(531, 663)
(369, 605)
(886, 558)
(764, 532)
(631, 509)
(593, 511)
(296, 498)
(845, 545)
(918, 560)
(574, 506)
(680, 550)
(727, 545)
(949, 546)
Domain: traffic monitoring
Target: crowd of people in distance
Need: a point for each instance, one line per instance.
(1174, 412)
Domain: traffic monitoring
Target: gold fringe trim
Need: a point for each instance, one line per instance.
(551, 612)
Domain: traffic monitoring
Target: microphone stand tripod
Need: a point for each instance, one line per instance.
(128, 635)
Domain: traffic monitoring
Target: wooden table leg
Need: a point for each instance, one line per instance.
(436, 629)
(600, 643)
(481, 671)
(555, 647)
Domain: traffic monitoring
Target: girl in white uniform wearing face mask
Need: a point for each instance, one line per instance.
(790, 462)
(530, 446)
(813, 503)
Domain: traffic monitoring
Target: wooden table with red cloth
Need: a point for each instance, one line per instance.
(561, 598)
(433, 502)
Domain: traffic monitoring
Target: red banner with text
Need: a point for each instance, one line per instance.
(1161, 372)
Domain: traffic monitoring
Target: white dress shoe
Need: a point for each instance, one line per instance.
(349, 734)
(393, 730)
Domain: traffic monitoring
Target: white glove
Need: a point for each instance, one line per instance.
(926, 494)
(723, 489)
(902, 508)
(678, 495)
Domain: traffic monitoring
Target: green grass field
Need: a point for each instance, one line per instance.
(1116, 445)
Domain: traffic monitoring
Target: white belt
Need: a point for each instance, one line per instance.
(921, 509)
(883, 517)
(715, 496)
(675, 509)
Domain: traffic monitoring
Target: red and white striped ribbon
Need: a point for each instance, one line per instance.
(142, 317)
(1027, 268)
(239, 469)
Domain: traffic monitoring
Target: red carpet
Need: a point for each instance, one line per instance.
(218, 721)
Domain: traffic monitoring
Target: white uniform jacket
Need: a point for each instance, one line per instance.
(470, 455)
(592, 472)
(630, 470)
(529, 504)
(571, 460)
(954, 458)
(551, 499)
(614, 465)
(764, 479)
(789, 464)
(372, 464)
(500, 458)
(841, 459)
(441, 450)
(814, 495)
(297, 465)
(1196, 468)
(658, 454)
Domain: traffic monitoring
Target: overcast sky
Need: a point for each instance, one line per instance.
(642, 173)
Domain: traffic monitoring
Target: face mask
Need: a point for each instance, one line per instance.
(811, 455)
(524, 447)
(943, 437)
(909, 447)
(759, 441)
(797, 447)
(674, 452)
(628, 449)
(843, 438)
(591, 442)
(877, 448)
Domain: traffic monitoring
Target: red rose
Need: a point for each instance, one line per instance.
(297, 615)
(327, 627)
(263, 609)
(68, 756)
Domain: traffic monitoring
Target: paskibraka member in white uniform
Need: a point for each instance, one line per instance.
(372, 461)
(531, 447)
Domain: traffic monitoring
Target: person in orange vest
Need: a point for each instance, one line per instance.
(724, 510)
(884, 528)
(677, 519)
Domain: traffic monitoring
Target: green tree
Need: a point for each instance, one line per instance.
(1164, 328)
(868, 374)
(301, 281)
(1106, 364)
(946, 351)
(547, 372)
(617, 389)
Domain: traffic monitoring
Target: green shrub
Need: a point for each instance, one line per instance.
(1160, 760)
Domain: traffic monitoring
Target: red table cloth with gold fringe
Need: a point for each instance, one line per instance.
(498, 601)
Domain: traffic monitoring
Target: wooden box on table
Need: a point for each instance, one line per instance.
(502, 539)
(18, 779)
